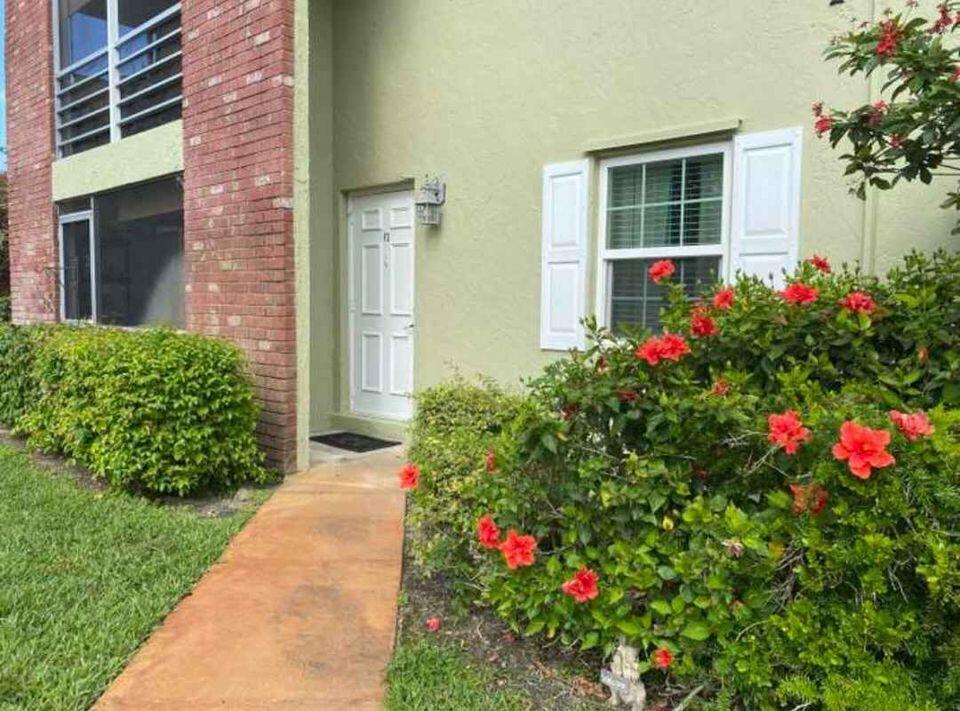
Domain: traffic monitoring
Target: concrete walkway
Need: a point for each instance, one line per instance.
(299, 613)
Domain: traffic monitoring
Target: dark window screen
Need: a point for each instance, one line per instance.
(77, 300)
(140, 255)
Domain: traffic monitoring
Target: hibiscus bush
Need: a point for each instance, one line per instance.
(765, 497)
(910, 133)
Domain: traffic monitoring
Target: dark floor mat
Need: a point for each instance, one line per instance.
(353, 442)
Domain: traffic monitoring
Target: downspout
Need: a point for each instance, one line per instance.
(871, 205)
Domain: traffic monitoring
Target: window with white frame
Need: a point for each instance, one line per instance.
(121, 256)
(118, 69)
(672, 204)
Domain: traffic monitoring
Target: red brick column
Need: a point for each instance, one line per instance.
(33, 240)
(238, 195)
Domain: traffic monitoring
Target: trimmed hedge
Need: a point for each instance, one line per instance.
(454, 426)
(146, 410)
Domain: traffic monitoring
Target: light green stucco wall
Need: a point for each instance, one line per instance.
(141, 157)
(485, 92)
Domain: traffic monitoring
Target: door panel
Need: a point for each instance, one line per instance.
(382, 304)
(371, 362)
(401, 279)
(371, 278)
(401, 362)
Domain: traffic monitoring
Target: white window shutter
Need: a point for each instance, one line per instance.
(564, 255)
(766, 203)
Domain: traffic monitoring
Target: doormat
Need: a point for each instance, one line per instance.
(353, 442)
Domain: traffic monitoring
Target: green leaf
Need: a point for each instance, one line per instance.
(697, 631)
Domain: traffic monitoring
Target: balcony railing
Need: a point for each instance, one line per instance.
(132, 85)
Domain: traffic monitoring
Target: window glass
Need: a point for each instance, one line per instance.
(77, 296)
(661, 207)
(140, 255)
(133, 13)
(636, 301)
(672, 203)
(104, 96)
(83, 29)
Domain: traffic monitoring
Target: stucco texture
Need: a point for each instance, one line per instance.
(485, 92)
(136, 159)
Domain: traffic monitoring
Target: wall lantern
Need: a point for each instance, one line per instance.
(432, 195)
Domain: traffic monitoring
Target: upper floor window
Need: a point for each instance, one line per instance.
(664, 205)
(118, 70)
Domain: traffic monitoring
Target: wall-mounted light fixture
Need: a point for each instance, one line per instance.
(836, 2)
(432, 195)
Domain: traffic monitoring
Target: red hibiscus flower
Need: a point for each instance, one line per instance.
(812, 498)
(800, 294)
(787, 431)
(669, 347)
(582, 587)
(822, 125)
(569, 411)
(858, 302)
(720, 387)
(912, 426)
(889, 37)
(628, 395)
(490, 461)
(488, 533)
(410, 476)
(863, 449)
(433, 624)
(518, 550)
(701, 325)
(649, 351)
(673, 347)
(820, 263)
(723, 299)
(956, 74)
(664, 269)
(662, 658)
(896, 141)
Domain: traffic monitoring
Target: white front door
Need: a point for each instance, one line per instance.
(381, 304)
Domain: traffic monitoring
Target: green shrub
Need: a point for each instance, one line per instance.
(776, 579)
(18, 386)
(454, 426)
(147, 410)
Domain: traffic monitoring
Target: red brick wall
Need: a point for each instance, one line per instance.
(30, 149)
(238, 194)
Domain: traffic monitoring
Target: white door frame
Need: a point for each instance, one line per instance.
(351, 297)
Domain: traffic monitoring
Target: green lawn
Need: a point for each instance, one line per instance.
(84, 578)
(432, 675)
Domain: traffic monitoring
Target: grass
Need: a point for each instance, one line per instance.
(427, 674)
(84, 578)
